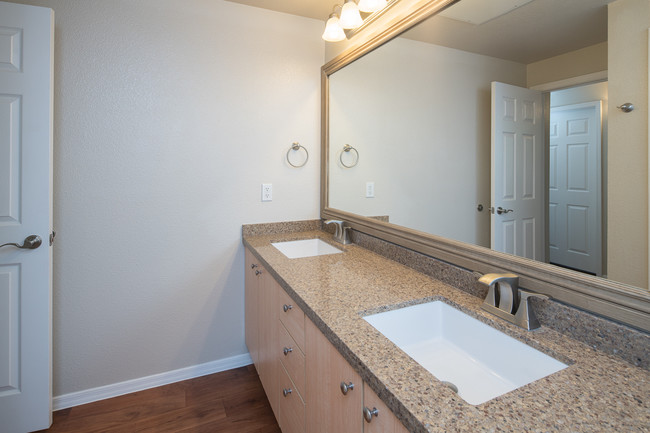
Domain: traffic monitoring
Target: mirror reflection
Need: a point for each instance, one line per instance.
(498, 131)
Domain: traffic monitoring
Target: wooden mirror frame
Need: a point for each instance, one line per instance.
(618, 301)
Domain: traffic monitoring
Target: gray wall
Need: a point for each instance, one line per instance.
(168, 117)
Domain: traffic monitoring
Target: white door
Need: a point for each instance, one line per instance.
(575, 225)
(518, 199)
(26, 38)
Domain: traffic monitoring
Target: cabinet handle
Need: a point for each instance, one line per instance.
(286, 391)
(258, 272)
(254, 265)
(345, 387)
(287, 350)
(368, 414)
(286, 307)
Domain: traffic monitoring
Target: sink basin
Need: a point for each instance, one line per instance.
(476, 359)
(305, 248)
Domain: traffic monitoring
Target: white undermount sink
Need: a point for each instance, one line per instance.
(481, 362)
(305, 248)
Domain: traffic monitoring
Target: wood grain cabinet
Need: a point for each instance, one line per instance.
(252, 278)
(310, 386)
(261, 318)
(377, 417)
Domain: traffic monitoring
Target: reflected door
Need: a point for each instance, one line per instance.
(517, 222)
(575, 226)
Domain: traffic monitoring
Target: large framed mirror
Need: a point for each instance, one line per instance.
(417, 148)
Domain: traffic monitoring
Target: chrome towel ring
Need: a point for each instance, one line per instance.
(296, 147)
(348, 148)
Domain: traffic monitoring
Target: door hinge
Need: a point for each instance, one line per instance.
(52, 235)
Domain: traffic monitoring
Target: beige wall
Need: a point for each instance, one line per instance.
(169, 114)
(585, 61)
(424, 99)
(629, 21)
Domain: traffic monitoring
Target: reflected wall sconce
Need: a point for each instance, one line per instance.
(348, 17)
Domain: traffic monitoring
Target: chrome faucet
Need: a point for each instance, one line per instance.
(341, 232)
(507, 284)
(509, 302)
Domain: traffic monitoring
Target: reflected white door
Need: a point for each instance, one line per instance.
(26, 37)
(517, 172)
(575, 218)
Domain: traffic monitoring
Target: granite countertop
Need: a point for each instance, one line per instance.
(596, 393)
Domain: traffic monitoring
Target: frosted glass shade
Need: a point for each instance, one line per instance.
(371, 5)
(333, 30)
(350, 16)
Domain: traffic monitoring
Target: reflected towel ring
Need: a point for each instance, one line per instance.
(297, 146)
(348, 148)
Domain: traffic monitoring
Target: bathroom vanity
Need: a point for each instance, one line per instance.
(324, 368)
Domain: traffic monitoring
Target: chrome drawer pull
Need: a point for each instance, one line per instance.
(368, 414)
(345, 387)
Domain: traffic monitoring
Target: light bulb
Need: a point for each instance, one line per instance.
(350, 17)
(333, 30)
(372, 5)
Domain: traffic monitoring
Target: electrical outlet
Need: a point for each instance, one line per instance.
(370, 189)
(267, 192)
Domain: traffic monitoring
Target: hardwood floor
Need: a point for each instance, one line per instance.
(230, 401)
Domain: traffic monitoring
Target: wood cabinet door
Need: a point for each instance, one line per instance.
(251, 305)
(382, 420)
(328, 408)
(292, 407)
(269, 357)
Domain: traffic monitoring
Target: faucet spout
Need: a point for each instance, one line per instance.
(506, 297)
(341, 231)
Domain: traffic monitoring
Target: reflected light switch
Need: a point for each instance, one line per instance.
(370, 189)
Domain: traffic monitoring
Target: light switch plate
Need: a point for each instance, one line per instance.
(370, 189)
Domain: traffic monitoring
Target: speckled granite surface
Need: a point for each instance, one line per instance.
(605, 335)
(596, 393)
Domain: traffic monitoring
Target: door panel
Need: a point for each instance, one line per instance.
(517, 171)
(575, 209)
(26, 38)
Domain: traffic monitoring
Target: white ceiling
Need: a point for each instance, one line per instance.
(532, 32)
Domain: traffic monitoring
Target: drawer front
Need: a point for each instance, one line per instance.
(292, 407)
(292, 318)
(292, 358)
(382, 421)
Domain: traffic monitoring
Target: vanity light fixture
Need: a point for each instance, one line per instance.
(333, 30)
(349, 17)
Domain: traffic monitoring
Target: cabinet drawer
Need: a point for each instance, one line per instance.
(292, 407)
(292, 358)
(292, 318)
(381, 421)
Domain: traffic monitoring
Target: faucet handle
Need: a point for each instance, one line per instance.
(507, 285)
(525, 316)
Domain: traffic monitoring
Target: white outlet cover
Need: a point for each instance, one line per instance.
(267, 192)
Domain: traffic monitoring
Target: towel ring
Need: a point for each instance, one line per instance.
(348, 148)
(297, 146)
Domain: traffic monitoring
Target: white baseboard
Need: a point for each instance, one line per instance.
(142, 383)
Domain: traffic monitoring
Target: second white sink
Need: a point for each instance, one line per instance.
(481, 362)
(305, 248)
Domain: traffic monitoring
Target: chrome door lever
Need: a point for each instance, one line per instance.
(31, 242)
(501, 210)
